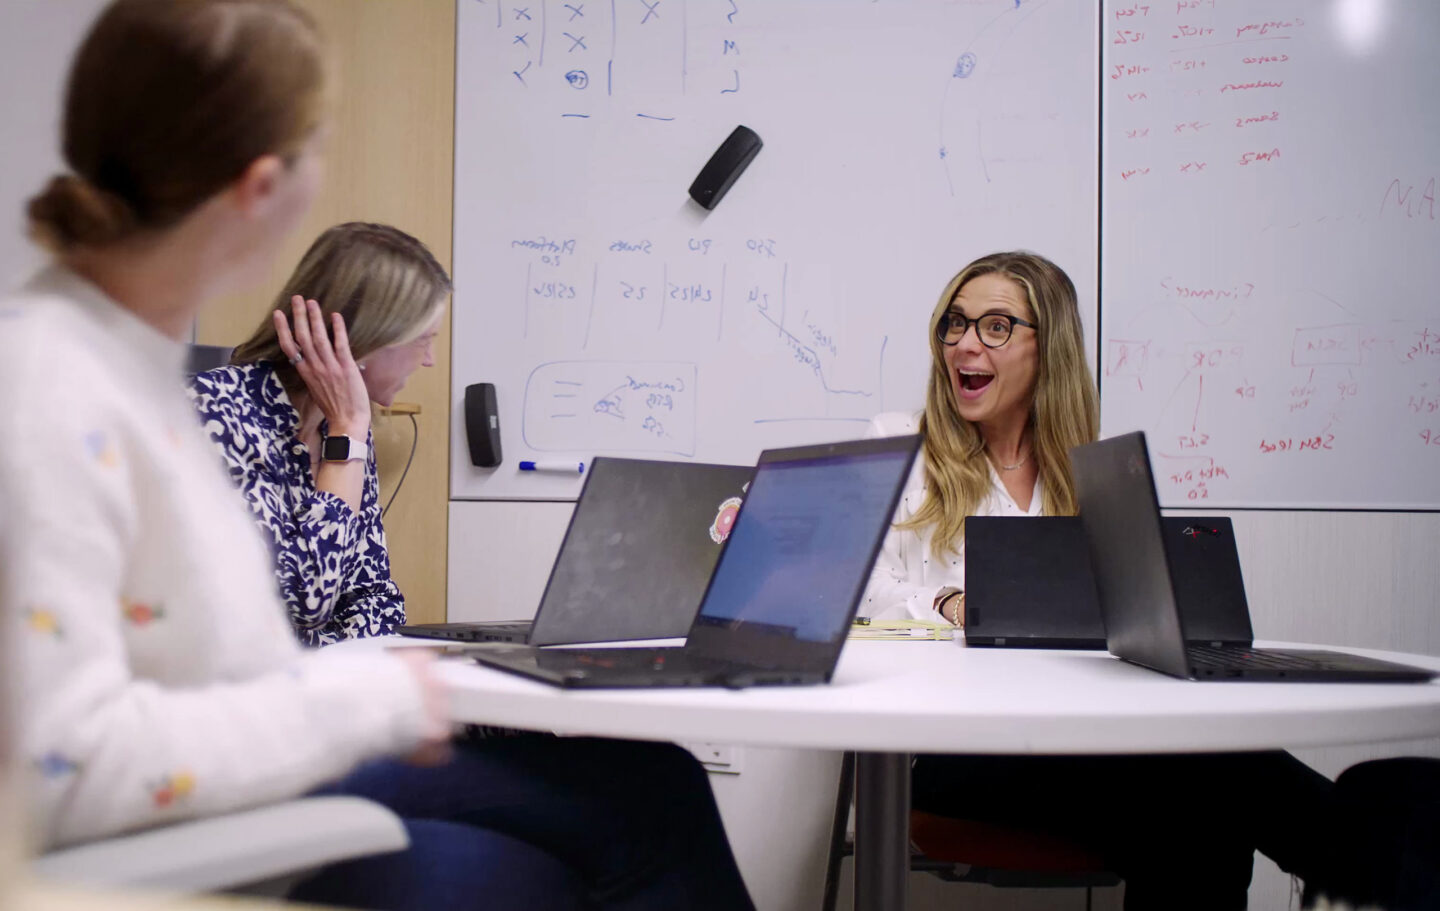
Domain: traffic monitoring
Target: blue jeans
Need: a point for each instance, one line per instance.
(539, 823)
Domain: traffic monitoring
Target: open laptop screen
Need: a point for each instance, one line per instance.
(802, 549)
(641, 546)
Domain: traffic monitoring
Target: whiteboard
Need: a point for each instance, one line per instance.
(614, 316)
(1270, 260)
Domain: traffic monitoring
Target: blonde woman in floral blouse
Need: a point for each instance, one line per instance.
(365, 302)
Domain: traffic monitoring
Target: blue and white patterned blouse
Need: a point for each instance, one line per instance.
(330, 561)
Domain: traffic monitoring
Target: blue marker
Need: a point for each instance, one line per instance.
(554, 465)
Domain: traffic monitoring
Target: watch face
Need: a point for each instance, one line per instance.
(335, 449)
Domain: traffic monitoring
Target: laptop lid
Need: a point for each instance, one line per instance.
(1121, 517)
(1209, 586)
(1028, 584)
(639, 550)
(791, 577)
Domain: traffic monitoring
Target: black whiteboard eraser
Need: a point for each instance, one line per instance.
(725, 166)
(482, 424)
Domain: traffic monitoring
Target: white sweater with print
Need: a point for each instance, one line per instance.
(155, 674)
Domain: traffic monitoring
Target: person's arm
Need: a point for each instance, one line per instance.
(344, 480)
(110, 747)
(365, 601)
(333, 382)
(950, 605)
(371, 604)
(315, 549)
(891, 593)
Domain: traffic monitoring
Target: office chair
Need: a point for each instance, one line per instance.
(264, 851)
(969, 851)
(199, 358)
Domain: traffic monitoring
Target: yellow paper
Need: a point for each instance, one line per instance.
(901, 629)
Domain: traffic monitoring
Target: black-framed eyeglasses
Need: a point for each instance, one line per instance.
(994, 329)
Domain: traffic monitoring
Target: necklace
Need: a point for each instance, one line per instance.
(1019, 464)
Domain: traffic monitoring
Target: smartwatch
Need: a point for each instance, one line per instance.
(343, 449)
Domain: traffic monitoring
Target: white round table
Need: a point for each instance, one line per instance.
(889, 699)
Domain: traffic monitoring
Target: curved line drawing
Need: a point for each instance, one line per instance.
(965, 66)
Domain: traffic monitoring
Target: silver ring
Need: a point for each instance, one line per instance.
(295, 361)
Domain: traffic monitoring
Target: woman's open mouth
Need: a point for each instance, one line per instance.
(973, 382)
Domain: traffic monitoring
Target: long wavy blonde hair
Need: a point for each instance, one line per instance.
(384, 282)
(1064, 413)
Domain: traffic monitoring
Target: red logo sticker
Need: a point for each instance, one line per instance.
(724, 520)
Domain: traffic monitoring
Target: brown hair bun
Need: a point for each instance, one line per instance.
(71, 211)
(167, 103)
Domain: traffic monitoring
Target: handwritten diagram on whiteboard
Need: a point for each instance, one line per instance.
(902, 139)
(1270, 261)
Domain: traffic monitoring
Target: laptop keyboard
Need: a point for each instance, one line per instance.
(491, 631)
(481, 630)
(1203, 656)
(668, 659)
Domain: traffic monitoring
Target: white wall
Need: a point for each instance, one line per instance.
(1361, 579)
(37, 38)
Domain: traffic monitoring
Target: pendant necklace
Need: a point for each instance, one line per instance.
(1019, 464)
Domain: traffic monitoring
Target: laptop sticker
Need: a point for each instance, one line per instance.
(725, 517)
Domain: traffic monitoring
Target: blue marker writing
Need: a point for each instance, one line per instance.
(554, 465)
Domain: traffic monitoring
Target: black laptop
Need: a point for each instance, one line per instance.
(1137, 585)
(1028, 582)
(636, 557)
(784, 591)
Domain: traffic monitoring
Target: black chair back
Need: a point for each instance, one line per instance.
(200, 358)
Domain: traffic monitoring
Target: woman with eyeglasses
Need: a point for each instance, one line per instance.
(1009, 394)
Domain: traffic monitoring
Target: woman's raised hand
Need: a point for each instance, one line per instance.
(331, 376)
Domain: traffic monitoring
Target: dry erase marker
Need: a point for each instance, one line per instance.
(554, 465)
